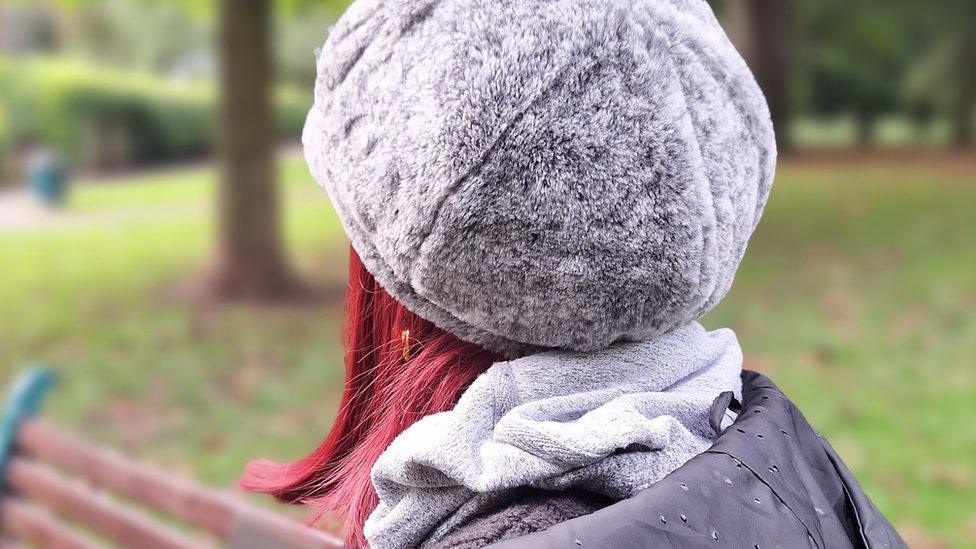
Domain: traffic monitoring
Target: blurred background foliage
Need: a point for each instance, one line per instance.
(857, 295)
(102, 118)
(859, 74)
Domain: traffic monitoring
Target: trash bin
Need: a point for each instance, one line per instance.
(48, 178)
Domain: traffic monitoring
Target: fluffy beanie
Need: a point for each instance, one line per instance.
(535, 174)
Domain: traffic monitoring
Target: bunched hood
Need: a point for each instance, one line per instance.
(612, 422)
(769, 480)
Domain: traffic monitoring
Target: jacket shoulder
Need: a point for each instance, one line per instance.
(769, 480)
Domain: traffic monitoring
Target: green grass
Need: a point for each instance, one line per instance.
(856, 296)
(191, 388)
(891, 131)
(188, 187)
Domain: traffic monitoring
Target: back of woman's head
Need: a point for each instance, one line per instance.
(526, 175)
(399, 368)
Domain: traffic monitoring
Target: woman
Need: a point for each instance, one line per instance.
(542, 197)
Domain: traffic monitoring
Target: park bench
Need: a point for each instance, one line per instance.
(62, 492)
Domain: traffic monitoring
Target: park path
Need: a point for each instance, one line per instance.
(17, 210)
(20, 212)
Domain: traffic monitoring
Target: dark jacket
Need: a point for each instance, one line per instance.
(768, 481)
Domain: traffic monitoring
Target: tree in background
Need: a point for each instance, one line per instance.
(763, 32)
(964, 100)
(250, 261)
(943, 76)
(852, 60)
(154, 36)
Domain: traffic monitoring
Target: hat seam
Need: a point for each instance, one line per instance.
(485, 156)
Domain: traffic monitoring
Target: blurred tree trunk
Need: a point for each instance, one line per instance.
(763, 32)
(964, 107)
(864, 128)
(250, 261)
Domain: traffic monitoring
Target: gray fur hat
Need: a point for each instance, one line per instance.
(535, 174)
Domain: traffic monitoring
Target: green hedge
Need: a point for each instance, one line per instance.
(95, 115)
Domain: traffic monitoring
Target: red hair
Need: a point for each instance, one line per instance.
(399, 368)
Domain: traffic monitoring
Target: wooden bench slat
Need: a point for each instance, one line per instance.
(70, 499)
(206, 509)
(37, 527)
